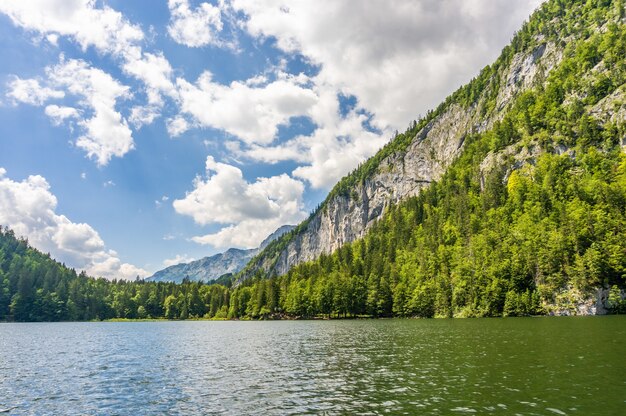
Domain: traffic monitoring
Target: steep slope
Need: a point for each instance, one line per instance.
(23, 270)
(525, 212)
(420, 155)
(210, 268)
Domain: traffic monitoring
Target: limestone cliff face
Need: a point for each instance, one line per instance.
(345, 218)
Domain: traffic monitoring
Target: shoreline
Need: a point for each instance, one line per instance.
(361, 318)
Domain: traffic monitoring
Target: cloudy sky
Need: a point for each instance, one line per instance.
(137, 133)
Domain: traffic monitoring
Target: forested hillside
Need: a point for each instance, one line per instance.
(34, 287)
(530, 219)
(556, 32)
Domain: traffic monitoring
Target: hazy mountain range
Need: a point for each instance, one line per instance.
(212, 267)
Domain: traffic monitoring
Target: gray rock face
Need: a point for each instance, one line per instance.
(207, 268)
(346, 218)
(210, 268)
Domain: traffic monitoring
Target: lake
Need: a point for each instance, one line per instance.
(528, 366)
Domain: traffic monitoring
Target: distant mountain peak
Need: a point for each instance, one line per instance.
(212, 267)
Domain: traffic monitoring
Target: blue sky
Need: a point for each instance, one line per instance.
(135, 134)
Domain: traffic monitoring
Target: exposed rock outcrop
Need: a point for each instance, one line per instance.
(346, 217)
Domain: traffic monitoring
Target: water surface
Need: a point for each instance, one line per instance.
(527, 366)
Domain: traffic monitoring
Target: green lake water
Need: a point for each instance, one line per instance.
(526, 366)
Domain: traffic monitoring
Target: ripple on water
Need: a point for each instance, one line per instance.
(338, 367)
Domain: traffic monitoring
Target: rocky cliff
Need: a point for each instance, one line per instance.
(346, 216)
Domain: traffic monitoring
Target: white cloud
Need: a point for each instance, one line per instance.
(336, 147)
(398, 58)
(333, 157)
(159, 203)
(60, 114)
(109, 32)
(178, 259)
(105, 29)
(106, 133)
(249, 211)
(177, 126)
(194, 28)
(155, 71)
(53, 38)
(29, 91)
(143, 115)
(251, 113)
(29, 208)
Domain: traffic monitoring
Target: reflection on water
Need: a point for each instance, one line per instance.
(534, 366)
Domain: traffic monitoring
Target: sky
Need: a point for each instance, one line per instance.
(136, 134)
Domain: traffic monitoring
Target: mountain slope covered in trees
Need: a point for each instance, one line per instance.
(34, 287)
(529, 218)
(421, 155)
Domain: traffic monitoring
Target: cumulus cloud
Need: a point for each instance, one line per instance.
(334, 148)
(58, 114)
(102, 28)
(29, 208)
(142, 115)
(251, 113)
(106, 133)
(398, 58)
(156, 72)
(197, 27)
(105, 29)
(30, 91)
(248, 211)
(177, 126)
(178, 259)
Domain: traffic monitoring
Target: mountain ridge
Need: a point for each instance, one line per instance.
(416, 157)
(519, 209)
(210, 268)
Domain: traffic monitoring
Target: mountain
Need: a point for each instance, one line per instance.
(508, 199)
(414, 159)
(210, 268)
